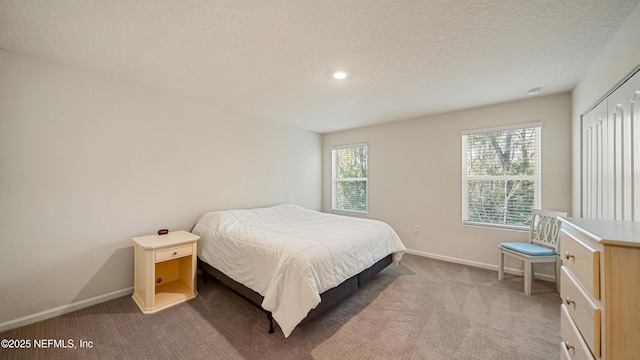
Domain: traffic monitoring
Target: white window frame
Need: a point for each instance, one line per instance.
(334, 180)
(536, 178)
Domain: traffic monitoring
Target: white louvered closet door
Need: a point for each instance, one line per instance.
(611, 155)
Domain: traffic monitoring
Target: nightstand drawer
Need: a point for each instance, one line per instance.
(583, 262)
(173, 253)
(572, 342)
(584, 313)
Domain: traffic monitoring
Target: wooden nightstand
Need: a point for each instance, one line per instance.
(165, 270)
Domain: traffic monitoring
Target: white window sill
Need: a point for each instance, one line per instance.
(497, 226)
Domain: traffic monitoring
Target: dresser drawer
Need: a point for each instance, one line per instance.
(173, 253)
(583, 262)
(572, 343)
(584, 313)
(564, 353)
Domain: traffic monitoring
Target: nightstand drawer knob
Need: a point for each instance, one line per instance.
(158, 280)
(567, 255)
(175, 253)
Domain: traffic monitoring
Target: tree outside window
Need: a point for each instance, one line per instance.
(501, 176)
(350, 177)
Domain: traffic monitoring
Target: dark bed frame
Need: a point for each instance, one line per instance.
(328, 298)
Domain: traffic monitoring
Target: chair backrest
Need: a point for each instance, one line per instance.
(545, 228)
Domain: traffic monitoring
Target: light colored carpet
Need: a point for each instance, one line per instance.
(424, 309)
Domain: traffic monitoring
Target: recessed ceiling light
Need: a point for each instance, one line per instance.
(339, 75)
(534, 91)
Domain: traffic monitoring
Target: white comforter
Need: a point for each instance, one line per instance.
(290, 255)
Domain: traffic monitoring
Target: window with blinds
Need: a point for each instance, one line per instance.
(350, 178)
(501, 175)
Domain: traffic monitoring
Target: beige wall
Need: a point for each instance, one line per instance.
(415, 175)
(615, 62)
(87, 162)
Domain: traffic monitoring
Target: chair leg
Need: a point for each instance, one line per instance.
(533, 271)
(527, 277)
(501, 266)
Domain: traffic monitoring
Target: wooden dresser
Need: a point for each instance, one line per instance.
(600, 289)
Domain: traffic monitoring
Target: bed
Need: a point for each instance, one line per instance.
(293, 262)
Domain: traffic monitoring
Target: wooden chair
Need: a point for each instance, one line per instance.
(542, 247)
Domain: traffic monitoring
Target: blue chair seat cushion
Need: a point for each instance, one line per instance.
(528, 249)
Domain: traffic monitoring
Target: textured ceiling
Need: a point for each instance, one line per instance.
(272, 59)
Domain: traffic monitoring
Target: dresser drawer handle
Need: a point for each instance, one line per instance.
(568, 346)
(569, 301)
(567, 255)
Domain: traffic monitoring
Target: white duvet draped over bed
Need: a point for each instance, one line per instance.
(290, 255)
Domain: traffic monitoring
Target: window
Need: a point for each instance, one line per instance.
(501, 175)
(349, 172)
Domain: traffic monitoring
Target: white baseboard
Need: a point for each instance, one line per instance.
(64, 309)
(512, 271)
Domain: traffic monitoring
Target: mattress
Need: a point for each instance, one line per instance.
(290, 255)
